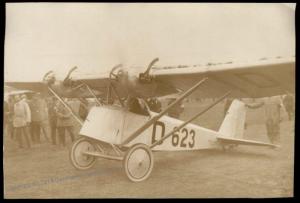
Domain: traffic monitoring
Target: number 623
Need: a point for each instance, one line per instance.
(188, 138)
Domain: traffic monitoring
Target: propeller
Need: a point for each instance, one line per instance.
(146, 77)
(47, 79)
(150, 66)
(67, 80)
(113, 70)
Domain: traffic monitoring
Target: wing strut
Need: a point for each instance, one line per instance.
(155, 118)
(66, 105)
(92, 93)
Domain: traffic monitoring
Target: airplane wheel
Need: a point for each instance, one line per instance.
(78, 159)
(138, 162)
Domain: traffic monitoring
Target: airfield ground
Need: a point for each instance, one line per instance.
(46, 172)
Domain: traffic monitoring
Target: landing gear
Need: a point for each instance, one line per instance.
(138, 162)
(78, 158)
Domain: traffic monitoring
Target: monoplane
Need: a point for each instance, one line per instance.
(123, 126)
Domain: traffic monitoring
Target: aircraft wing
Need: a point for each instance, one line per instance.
(16, 92)
(41, 87)
(226, 140)
(265, 77)
(33, 86)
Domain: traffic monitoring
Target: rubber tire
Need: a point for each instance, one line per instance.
(72, 156)
(127, 157)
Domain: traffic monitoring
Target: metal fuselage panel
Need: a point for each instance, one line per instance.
(114, 124)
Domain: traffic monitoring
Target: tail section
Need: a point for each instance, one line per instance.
(233, 124)
(231, 131)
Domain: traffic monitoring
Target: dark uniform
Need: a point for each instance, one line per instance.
(272, 117)
(6, 115)
(52, 119)
(39, 119)
(64, 122)
(83, 111)
(289, 105)
(10, 127)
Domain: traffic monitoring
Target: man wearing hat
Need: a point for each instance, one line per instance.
(21, 120)
(64, 123)
(39, 119)
(272, 106)
(289, 105)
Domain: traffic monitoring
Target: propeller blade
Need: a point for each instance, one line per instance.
(69, 73)
(145, 77)
(150, 66)
(48, 73)
(117, 66)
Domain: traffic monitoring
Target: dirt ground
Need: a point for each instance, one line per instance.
(46, 172)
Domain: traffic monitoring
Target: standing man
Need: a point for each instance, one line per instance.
(64, 122)
(272, 107)
(5, 116)
(39, 119)
(289, 105)
(83, 109)
(22, 117)
(52, 118)
(25, 101)
(11, 104)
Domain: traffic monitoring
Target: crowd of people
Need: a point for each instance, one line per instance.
(28, 117)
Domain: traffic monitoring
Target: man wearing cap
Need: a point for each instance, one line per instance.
(39, 118)
(21, 120)
(64, 122)
(289, 104)
(272, 107)
(52, 118)
(6, 115)
(11, 104)
(26, 103)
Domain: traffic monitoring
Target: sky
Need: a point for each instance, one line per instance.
(96, 36)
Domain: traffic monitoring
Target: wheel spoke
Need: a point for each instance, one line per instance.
(138, 162)
(79, 159)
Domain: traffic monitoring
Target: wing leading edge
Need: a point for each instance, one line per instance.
(268, 77)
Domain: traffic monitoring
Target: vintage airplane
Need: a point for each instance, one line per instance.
(123, 127)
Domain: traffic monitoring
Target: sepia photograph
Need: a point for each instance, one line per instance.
(149, 100)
